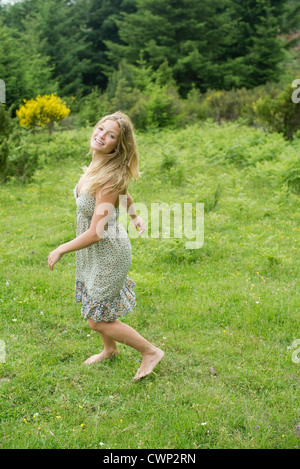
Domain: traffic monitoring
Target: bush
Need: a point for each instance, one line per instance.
(22, 163)
(224, 105)
(6, 123)
(163, 106)
(15, 160)
(5, 130)
(92, 108)
(41, 111)
(150, 98)
(279, 114)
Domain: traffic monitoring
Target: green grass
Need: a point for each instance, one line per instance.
(231, 305)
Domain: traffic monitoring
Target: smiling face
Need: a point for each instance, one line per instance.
(105, 137)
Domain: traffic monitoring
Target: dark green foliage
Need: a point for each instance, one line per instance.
(16, 160)
(77, 46)
(217, 45)
(280, 114)
(150, 98)
(101, 17)
(4, 152)
(165, 63)
(290, 19)
(24, 69)
(5, 123)
(5, 129)
(22, 162)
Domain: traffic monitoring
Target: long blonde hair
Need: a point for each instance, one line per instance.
(116, 171)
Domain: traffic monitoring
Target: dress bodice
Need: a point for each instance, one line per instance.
(86, 206)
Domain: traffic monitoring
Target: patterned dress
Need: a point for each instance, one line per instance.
(102, 283)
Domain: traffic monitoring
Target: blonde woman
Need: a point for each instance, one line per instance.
(103, 249)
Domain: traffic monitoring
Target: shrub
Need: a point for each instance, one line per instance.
(4, 152)
(6, 123)
(92, 108)
(41, 111)
(224, 105)
(193, 108)
(163, 106)
(279, 114)
(149, 97)
(5, 130)
(16, 161)
(22, 162)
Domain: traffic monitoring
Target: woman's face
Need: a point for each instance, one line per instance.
(105, 137)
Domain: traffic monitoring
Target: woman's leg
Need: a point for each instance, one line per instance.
(110, 351)
(120, 332)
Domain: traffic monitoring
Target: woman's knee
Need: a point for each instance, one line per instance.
(96, 326)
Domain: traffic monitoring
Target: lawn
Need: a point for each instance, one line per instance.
(226, 314)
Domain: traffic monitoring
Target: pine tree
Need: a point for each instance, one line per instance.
(208, 44)
(62, 27)
(101, 25)
(24, 70)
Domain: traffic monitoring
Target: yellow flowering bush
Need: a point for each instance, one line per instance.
(41, 111)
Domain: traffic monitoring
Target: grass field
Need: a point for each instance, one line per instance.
(226, 315)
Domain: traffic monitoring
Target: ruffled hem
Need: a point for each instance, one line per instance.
(106, 310)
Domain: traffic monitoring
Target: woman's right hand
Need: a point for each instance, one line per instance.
(54, 257)
(138, 222)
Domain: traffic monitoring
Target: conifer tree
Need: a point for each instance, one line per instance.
(209, 44)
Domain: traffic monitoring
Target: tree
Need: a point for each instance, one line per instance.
(22, 67)
(62, 28)
(258, 46)
(208, 44)
(101, 17)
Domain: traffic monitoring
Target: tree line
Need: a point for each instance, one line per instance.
(74, 46)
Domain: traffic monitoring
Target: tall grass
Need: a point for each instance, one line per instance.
(226, 314)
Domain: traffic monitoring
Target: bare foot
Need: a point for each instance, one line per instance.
(150, 360)
(101, 356)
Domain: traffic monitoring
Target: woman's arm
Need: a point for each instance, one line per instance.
(102, 212)
(136, 220)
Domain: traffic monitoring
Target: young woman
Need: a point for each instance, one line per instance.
(103, 249)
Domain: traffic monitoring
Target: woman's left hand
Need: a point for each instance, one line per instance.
(137, 221)
(54, 257)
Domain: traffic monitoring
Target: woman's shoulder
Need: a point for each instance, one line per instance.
(110, 194)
